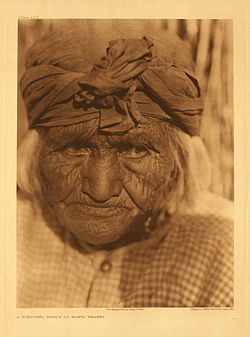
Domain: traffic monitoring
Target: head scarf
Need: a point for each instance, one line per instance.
(63, 84)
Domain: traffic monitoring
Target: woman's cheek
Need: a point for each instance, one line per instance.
(61, 176)
(145, 180)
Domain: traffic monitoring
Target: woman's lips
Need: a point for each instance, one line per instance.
(98, 210)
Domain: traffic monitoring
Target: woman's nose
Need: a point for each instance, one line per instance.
(102, 179)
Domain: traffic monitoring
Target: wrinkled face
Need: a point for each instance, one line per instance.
(103, 187)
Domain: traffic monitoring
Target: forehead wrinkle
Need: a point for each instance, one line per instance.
(62, 134)
(149, 133)
(137, 133)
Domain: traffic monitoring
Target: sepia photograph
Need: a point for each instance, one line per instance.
(125, 163)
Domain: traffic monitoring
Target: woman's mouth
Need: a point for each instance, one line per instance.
(98, 210)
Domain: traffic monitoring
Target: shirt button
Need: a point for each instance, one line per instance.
(105, 266)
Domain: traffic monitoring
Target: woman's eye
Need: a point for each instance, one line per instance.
(77, 150)
(135, 151)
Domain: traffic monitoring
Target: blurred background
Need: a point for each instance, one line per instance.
(212, 49)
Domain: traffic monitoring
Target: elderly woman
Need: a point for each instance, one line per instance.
(113, 207)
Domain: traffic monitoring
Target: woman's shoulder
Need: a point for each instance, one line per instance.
(220, 206)
(212, 216)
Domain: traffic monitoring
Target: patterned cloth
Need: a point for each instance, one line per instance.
(188, 263)
(136, 78)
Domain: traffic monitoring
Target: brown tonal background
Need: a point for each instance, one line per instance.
(212, 47)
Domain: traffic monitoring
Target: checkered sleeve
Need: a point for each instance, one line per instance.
(198, 255)
(217, 290)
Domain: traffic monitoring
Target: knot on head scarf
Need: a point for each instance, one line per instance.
(131, 81)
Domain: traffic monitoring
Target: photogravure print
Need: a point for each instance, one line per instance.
(125, 182)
